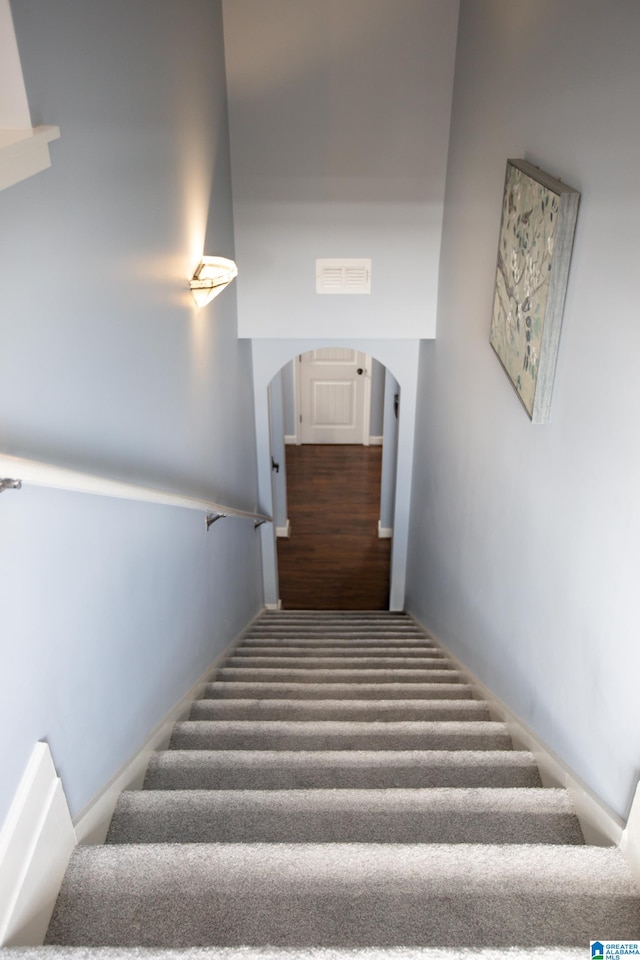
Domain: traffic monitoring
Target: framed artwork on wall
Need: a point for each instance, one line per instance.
(534, 252)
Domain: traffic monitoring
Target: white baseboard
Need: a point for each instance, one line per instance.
(284, 532)
(600, 825)
(630, 843)
(274, 606)
(375, 441)
(290, 438)
(36, 842)
(384, 533)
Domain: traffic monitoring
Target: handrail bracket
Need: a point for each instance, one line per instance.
(258, 523)
(7, 484)
(212, 517)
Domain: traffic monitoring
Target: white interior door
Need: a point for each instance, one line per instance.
(334, 395)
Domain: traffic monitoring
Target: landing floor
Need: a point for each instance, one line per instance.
(334, 559)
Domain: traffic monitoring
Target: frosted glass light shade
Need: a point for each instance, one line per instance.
(212, 275)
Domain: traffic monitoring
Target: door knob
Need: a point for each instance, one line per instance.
(360, 371)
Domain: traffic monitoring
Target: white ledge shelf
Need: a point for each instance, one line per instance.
(24, 153)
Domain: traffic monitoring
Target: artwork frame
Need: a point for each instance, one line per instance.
(537, 229)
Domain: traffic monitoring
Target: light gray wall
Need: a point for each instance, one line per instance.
(109, 610)
(526, 546)
(339, 123)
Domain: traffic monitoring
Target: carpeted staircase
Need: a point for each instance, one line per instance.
(338, 788)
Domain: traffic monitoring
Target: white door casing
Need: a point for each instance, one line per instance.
(334, 392)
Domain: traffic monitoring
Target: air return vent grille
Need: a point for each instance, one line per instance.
(343, 276)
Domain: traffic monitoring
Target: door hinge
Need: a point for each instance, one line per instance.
(300, 418)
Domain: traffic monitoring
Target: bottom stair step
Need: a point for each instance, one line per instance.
(345, 895)
(334, 816)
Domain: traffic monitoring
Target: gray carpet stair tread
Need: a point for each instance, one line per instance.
(337, 675)
(325, 623)
(340, 735)
(374, 624)
(279, 689)
(263, 650)
(380, 642)
(380, 710)
(282, 770)
(344, 895)
(348, 630)
(338, 816)
(376, 638)
(386, 624)
(342, 663)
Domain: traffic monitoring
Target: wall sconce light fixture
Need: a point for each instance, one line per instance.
(212, 275)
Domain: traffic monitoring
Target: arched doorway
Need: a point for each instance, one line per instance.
(337, 409)
(401, 357)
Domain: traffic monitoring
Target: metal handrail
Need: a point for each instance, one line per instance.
(16, 471)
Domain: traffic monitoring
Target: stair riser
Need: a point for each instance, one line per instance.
(318, 620)
(343, 691)
(340, 663)
(254, 650)
(205, 735)
(339, 633)
(330, 816)
(338, 710)
(355, 896)
(227, 918)
(339, 616)
(388, 642)
(358, 778)
(347, 631)
(365, 627)
(307, 828)
(283, 675)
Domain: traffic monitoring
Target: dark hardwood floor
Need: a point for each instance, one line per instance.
(333, 558)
